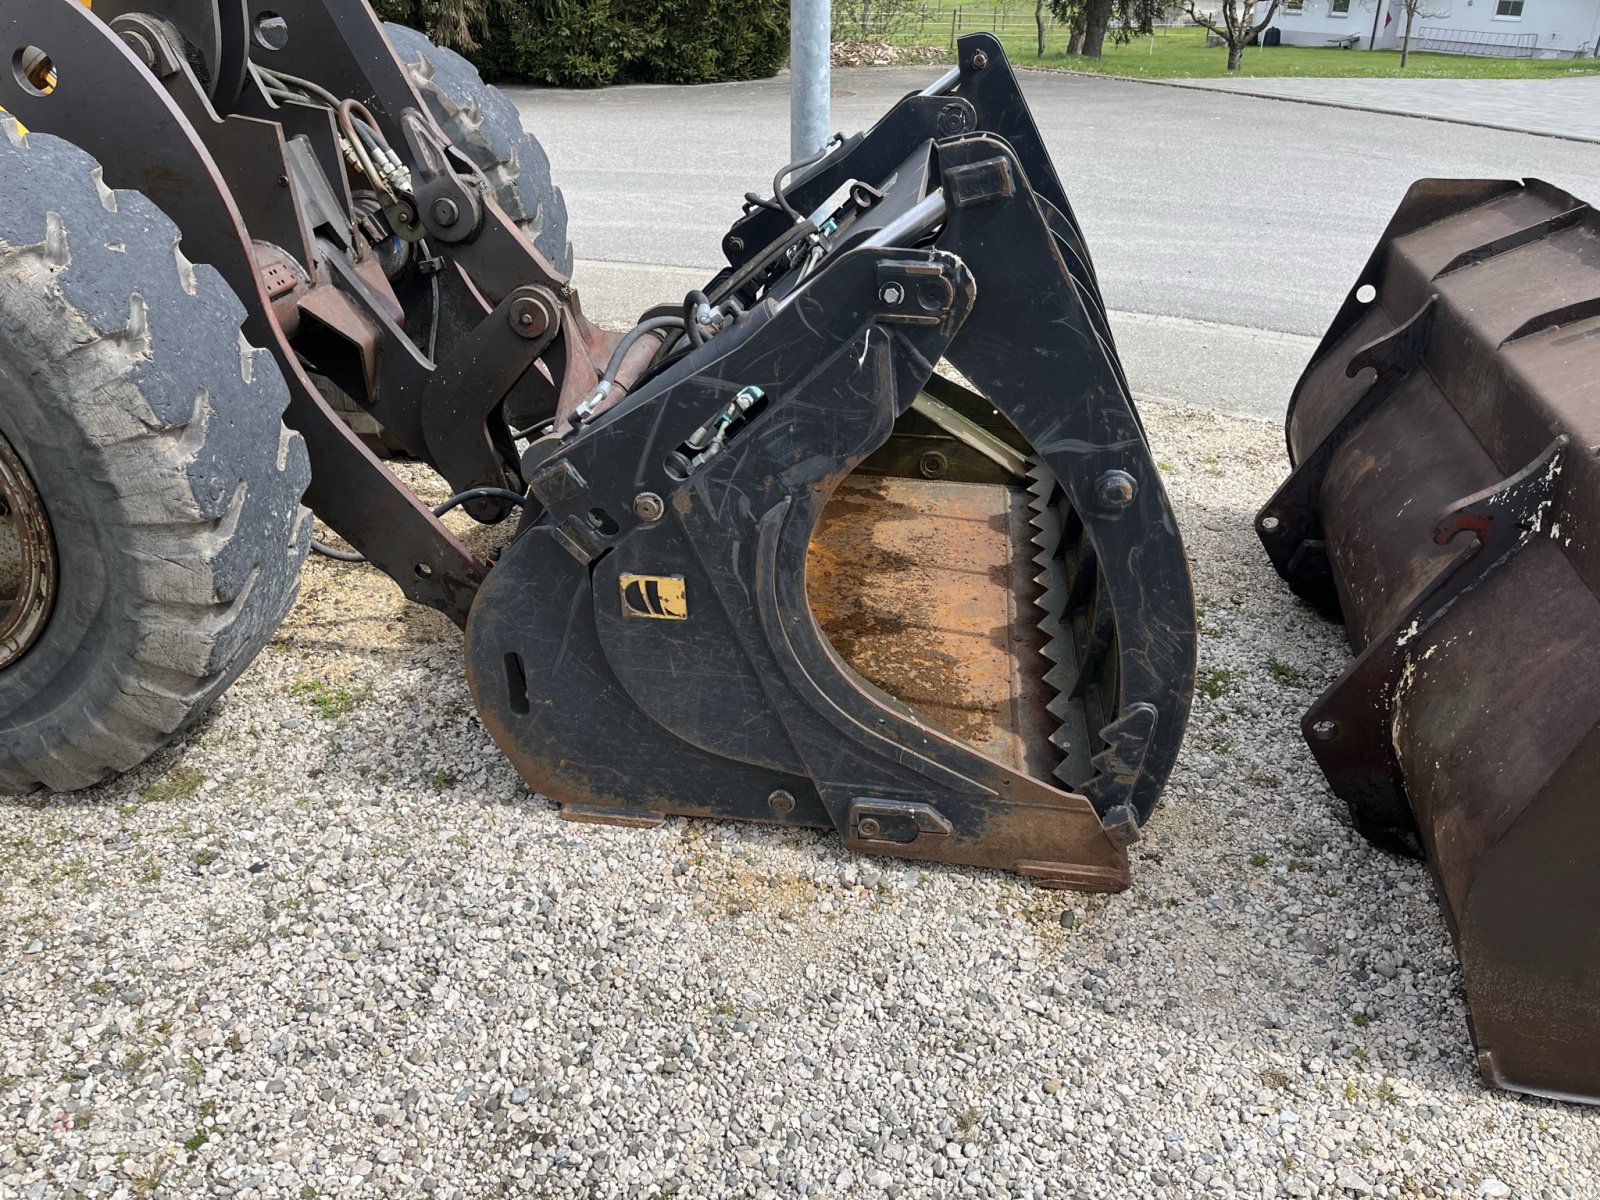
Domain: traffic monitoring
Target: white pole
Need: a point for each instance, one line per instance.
(810, 66)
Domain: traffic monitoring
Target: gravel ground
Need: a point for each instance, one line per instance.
(330, 946)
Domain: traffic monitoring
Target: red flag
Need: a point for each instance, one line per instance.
(1387, 18)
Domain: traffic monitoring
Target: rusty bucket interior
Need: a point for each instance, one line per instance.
(925, 585)
(1445, 503)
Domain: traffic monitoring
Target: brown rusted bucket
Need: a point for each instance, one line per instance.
(1445, 500)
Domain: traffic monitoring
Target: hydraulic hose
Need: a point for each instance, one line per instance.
(693, 303)
(631, 339)
(439, 510)
(780, 202)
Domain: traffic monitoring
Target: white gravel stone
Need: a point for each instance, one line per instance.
(330, 946)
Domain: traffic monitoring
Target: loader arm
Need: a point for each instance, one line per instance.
(259, 182)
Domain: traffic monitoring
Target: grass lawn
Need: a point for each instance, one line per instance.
(1182, 53)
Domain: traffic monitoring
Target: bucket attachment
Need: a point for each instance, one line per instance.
(797, 577)
(1445, 500)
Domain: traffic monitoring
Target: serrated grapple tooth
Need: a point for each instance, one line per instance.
(1071, 734)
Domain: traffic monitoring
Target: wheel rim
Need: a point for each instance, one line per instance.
(27, 560)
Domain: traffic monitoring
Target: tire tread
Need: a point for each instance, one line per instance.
(188, 470)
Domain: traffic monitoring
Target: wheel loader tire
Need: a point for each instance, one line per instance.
(153, 438)
(484, 125)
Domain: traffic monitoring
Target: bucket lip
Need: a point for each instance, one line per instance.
(1489, 1068)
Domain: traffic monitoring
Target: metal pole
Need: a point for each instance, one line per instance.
(810, 67)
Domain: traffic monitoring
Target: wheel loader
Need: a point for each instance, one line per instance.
(248, 248)
(864, 534)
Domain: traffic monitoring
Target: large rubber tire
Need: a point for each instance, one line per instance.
(484, 126)
(154, 437)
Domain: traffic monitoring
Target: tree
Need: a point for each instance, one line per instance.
(1088, 22)
(1038, 19)
(1237, 27)
(1413, 10)
(447, 22)
(1070, 14)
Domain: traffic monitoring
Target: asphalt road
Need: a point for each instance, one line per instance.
(1201, 205)
(1562, 106)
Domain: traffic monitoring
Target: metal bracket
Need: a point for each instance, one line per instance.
(913, 294)
(969, 433)
(1288, 524)
(900, 822)
(986, 182)
(1348, 727)
(468, 385)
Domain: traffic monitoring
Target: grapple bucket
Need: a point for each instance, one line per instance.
(796, 576)
(1445, 500)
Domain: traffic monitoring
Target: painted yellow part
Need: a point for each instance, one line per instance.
(662, 597)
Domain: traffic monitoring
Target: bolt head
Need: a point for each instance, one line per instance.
(736, 244)
(648, 506)
(892, 293)
(868, 827)
(445, 211)
(980, 60)
(781, 802)
(1115, 490)
(528, 318)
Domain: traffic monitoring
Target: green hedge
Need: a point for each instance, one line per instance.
(590, 43)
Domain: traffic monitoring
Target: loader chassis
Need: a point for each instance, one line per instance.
(655, 637)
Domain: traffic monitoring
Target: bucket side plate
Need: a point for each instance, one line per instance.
(1445, 503)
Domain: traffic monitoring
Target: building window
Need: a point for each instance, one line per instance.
(1340, 8)
(1294, 6)
(1508, 10)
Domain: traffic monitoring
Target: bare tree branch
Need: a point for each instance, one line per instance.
(1238, 27)
(1204, 21)
(1267, 20)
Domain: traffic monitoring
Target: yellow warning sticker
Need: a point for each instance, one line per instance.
(660, 596)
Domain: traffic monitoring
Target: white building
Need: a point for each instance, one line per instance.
(1514, 28)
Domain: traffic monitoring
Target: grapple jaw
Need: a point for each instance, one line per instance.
(1446, 502)
(797, 577)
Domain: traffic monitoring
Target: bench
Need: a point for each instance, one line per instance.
(1345, 43)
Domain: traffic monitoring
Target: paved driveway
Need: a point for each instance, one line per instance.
(1197, 203)
(1557, 107)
